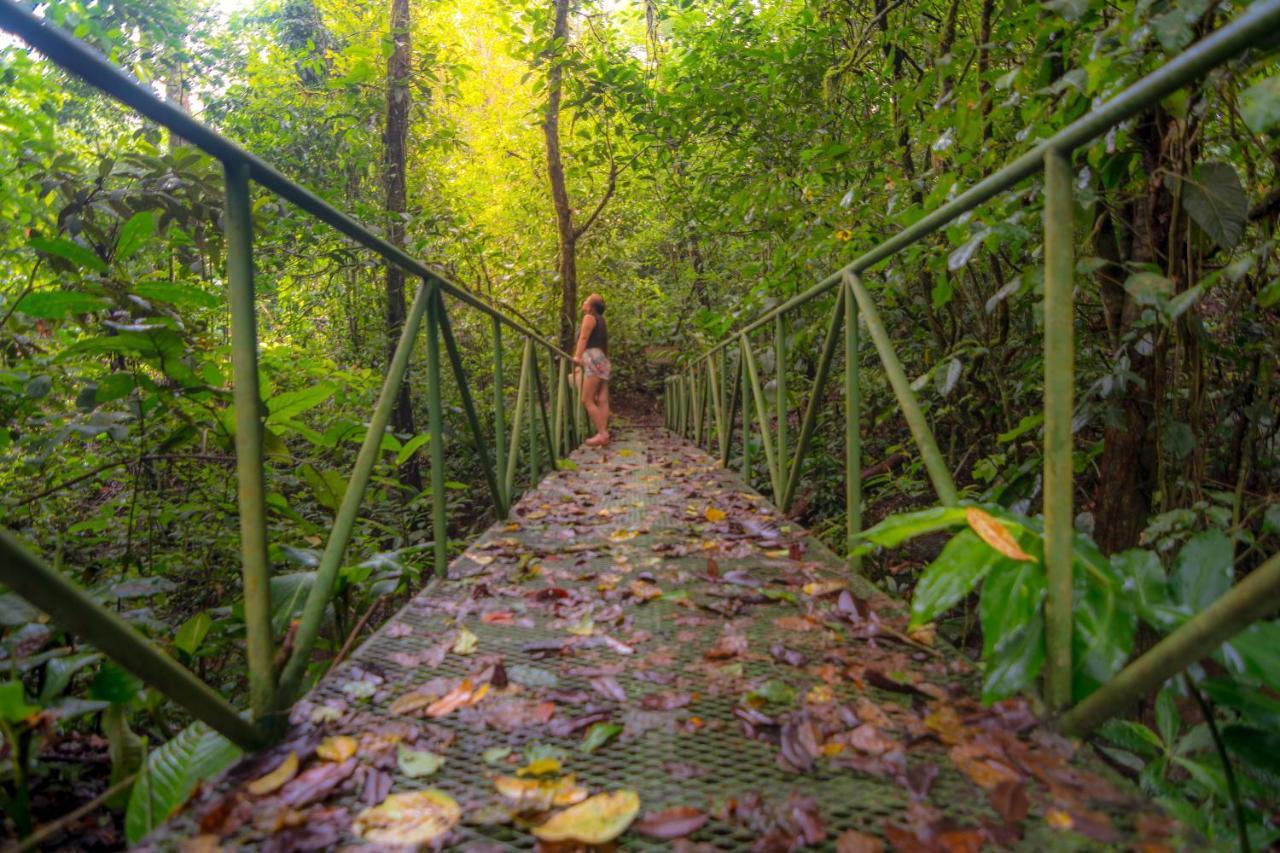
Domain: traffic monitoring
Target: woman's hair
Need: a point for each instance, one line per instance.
(596, 301)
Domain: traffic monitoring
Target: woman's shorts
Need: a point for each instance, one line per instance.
(596, 363)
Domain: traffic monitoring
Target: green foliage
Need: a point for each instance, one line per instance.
(171, 774)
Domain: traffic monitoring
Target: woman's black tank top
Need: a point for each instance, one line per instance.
(599, 337)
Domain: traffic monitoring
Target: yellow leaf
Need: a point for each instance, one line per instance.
(466, 642)
(541, 767)
(820, 694)
(540, 794)
(412, 701)
(337, 748)
(995, 534)
(511, 527)
(584, 628)
(778, 553)
(832, 748)
(817, 589)
(713, 515)
(411, 818)
(276, 778)
(597, 820)
(1058, 819)
(924, 634)
(623, 535)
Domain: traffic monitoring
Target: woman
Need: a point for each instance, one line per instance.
(592, 356)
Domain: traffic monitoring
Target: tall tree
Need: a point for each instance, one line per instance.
(569, 234)
(395, 142)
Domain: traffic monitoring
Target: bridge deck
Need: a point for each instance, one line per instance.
(753, 690)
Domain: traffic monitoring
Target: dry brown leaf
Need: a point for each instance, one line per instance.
(995, 534)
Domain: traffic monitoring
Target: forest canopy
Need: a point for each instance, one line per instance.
(696, 162)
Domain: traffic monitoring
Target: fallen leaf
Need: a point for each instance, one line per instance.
(675, 822)
(596, 820)
(1009, 799)
(494, 754)
(466, 642)
(316, 782)
(411, 818)
(714, 515)
(417, 763)
(541, 767)
(623, 535)
(462, 696)
(540, 794)
(337, 748)
(852, 841)
(995, 534)
(1058, 819)
(598, 735)
(275, 780)
(498, 617)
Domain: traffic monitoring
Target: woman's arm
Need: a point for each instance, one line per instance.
(588, 323)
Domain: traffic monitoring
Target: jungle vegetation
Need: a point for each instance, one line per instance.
(696, 162)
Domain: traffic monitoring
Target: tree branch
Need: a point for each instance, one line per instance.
(608, 194)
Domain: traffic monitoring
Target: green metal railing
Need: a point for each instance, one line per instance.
(700, 405)
(271, 692)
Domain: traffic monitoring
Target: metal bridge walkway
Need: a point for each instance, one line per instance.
(649, 597)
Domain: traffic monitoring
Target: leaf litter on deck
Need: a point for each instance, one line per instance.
(640, 602)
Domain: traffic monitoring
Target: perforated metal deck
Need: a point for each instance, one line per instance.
(879, 735)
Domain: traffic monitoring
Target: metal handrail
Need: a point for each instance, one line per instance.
(71, 607)
(697, 401)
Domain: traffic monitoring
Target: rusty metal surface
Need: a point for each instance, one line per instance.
(870, 731)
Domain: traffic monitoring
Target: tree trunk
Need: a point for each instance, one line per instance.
(395, 141)
(568, 265)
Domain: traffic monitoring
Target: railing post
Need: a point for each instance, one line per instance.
(731, 414)
(746, 415)
(933, 461)
(762, 415)
(1059, 377)
(531, 415)
(852, 431)
(499, 417)
(815, 401)
(559, 430)
(725, 416)
(517, 420)
(345, 518)
(435, 416)
(491, 471)
(250, 474)
(780, 398)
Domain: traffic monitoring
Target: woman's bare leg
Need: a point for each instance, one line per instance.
(590, 393)
(602, 403)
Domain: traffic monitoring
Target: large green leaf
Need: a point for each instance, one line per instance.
(56, 304)
(124, 747)
(1254, 654)
(1258, 748)
(1012, 630)
(896, 529)
(290, 404)
(1142, 577)
(63, 248)
(172, 773)
(1202, 571)
(1214, 198)
(13, 702)
(176, 293)
(964, 561)
(58, 673)
(192, 633)
(134, 234)
(327, 485)
(1260, 105)
(1105, 624)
